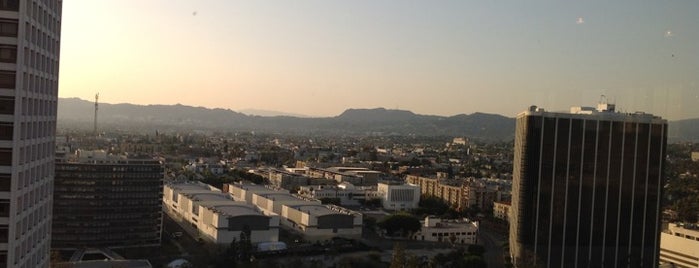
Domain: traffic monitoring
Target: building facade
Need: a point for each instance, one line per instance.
(106, 202)
(399, 197)
(460, 193)
(679, 246)
(501, 210)
(460, 231)
(210, 214)
(587, 188)
(30, 33)
(315, 221)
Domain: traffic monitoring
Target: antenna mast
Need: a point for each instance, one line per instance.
(97, 96)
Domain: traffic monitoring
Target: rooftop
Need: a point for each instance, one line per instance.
(316, 210)
(110, 264)
(210, 196)
(603, 111)
(235, 209)
(279, 197)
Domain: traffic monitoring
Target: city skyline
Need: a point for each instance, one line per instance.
(318, 58)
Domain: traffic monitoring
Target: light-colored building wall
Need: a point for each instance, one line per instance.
(323, 222)
(695, 156)
(347, 193)
(31, 35)
(501, 210)
(680, 246)
(399, 197)
(438, 230)
(308, 216)
(216, 216)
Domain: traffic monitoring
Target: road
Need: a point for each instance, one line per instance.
(493, 247)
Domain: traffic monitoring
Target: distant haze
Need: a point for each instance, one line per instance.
(75, 113)
(318, 58)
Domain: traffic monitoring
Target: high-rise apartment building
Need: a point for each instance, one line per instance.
(587, 188)
(29, 52)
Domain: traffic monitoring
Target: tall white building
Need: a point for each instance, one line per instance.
(29, 54)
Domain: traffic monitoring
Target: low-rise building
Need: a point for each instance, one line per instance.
(287, 180)
(347, 193)
(353, 175)
(461, 231)
(460, 193)
(399, 196)
(216, 216)
(679, 245)
(501, 210)
(307, 216)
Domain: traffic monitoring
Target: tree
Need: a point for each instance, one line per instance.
(474, 261)
(57, 260)
(398, 259)
(411, 261)
(403, 223)
(245, 244)
(476, 250)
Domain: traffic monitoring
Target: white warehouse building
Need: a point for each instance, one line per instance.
(440, 230)
(399, 196)
(314, 220)
(216, 216)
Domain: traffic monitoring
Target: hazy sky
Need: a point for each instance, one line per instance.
(431, 57)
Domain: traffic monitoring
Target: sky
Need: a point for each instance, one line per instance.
(319, 58)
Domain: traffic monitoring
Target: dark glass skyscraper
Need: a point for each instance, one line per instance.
(587, 188)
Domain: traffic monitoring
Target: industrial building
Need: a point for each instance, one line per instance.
(215, 216)
(309, 217)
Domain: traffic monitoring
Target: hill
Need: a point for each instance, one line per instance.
(77, 113)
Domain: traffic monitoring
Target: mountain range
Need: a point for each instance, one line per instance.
(79, 114)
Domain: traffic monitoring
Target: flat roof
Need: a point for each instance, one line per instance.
(639, 117)
(187, 186)
(110, 264)
(316, 210)
(253, 187)
(235, 209)
(210, 196)
(279, 196)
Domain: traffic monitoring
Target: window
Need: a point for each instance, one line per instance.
(6, 130)
(8, 53)
(5, 181)
(5, 157)
(7, 105)
(3, 233)
(7, 79)
(11, 5)
(4, 208)
(8, 28)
